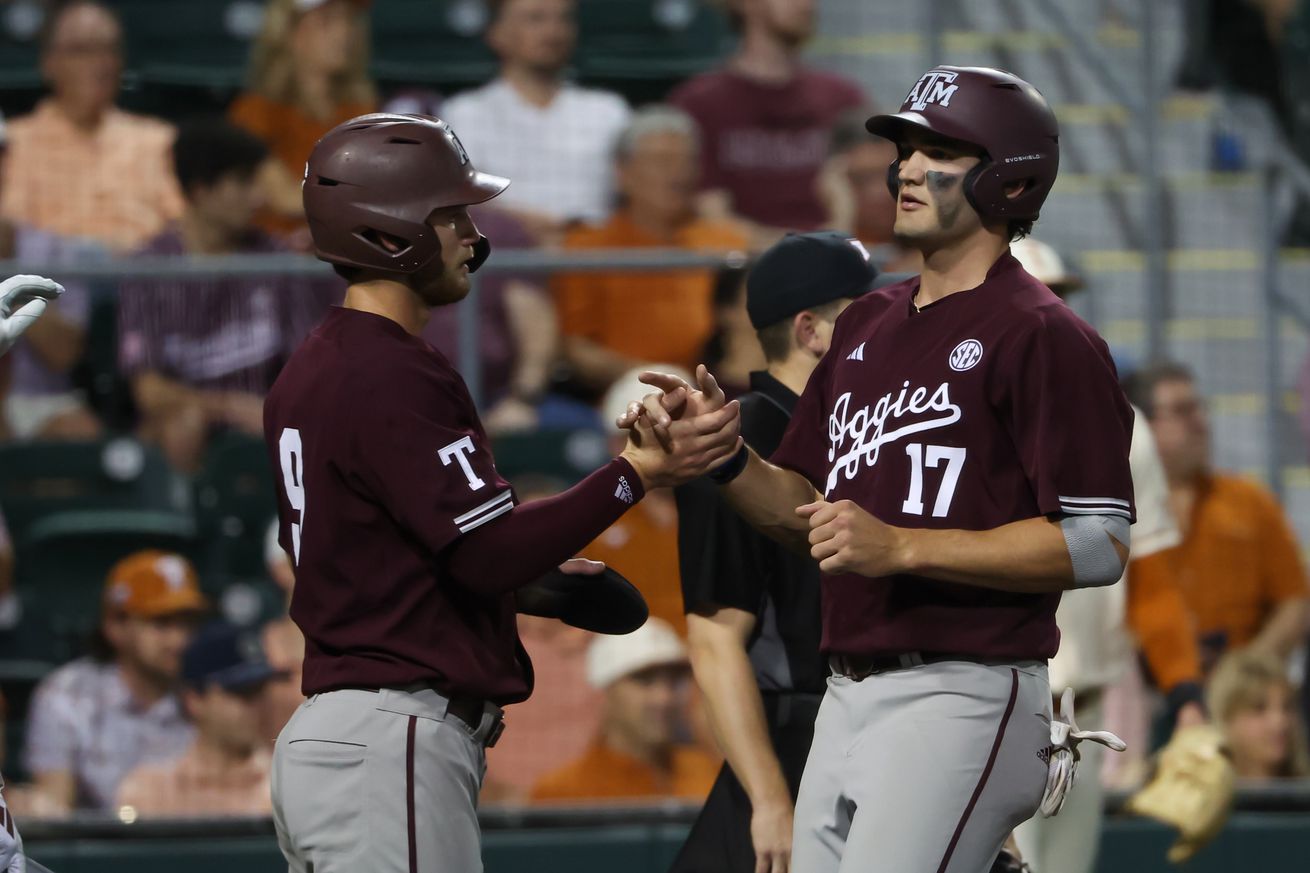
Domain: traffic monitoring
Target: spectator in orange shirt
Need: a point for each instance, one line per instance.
(636, 754)
(1239, 565)
(1255, 705)
(78, 166)
(308, 73)
(643, 545)
(614, 321)
(225, 771)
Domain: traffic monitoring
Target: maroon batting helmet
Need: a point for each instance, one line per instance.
(996, 111)
(379, 177)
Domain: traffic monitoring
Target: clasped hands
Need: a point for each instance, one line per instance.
(682, 431)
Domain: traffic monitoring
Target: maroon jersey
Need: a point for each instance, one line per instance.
(991, 406)
(765, 144)
(384, 464)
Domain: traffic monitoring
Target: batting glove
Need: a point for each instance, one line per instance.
(22, 300)
(1063, 763)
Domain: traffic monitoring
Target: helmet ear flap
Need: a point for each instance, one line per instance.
(481, 251)
(980, 188)
(894, 178)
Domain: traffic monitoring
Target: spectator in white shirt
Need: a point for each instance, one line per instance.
(552, 137)
(97, 718)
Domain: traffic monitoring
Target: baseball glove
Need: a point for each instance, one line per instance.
(1192, 789)
(603, 603)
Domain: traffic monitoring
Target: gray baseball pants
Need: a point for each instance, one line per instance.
(923, 770)
(380, 781)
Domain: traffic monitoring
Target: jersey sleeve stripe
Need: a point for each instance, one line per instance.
(489, 505)
(465, 528)
(1095, 500)
(1096, 510)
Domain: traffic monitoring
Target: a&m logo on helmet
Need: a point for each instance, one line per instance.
(935, 86)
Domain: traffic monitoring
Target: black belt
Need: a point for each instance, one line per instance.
(467, 709)
(860, 667)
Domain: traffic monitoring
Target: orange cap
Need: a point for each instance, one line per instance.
(151, 583)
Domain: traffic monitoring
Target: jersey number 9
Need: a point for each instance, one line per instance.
(292, 458)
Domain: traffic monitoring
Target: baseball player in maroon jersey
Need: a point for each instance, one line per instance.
(958, 459)
(409, 547)
(23, 300)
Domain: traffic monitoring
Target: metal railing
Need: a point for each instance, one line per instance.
(515, 261)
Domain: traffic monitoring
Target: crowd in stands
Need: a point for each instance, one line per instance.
(172, 711)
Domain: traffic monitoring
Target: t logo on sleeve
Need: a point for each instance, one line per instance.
(459, 451)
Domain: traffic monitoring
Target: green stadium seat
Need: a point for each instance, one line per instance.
(421, 42)
(235, 501)
(20, 24)
(649, 39)
(196, 43)
(40, 479)
(566, 456)
(63, 560)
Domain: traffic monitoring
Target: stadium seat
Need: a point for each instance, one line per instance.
(40, 479)
(649, 39)
(19, 25)
(108, 392)
(63, 561)
(436, 44)
(566, 456)
(235, 501)
(199, 43)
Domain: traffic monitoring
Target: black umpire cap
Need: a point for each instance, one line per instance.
(804, 270)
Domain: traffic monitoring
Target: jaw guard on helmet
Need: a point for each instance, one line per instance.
(996, 111)
(378, 178)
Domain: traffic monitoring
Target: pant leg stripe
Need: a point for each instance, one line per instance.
(987, 772)
(409, 794)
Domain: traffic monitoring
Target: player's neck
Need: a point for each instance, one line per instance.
(201, 237)
(390, 300)
(762, 57)
(537, 87)
(146, 690)
(215, 756)
(793, 371)
(618, 740)
(957, 267)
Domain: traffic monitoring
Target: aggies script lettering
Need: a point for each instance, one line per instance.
(867, 432)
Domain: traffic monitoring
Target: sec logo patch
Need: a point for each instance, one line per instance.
(966, 355)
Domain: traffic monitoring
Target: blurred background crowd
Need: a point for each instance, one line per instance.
(150, 159)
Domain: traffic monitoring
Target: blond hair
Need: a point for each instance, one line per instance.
(272, 65)
(1240, 682)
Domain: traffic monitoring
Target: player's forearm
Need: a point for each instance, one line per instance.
(1284, 630)
(57, 342)
(593, 363)
(736, 713)
(767, 496)
(1029, 556)
(536, 334)
(534, 538)
(157, 395)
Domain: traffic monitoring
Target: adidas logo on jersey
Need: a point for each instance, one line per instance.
(857, 354)
(624, 491)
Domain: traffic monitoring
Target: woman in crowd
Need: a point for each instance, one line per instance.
(308, 73)
(1253, 701)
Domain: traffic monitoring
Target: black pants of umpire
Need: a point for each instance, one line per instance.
(720, 838)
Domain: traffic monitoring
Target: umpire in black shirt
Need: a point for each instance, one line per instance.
(752, 605)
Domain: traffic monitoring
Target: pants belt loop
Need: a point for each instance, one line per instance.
(912, 659)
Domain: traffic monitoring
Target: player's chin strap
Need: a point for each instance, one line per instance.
(1063, 763)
